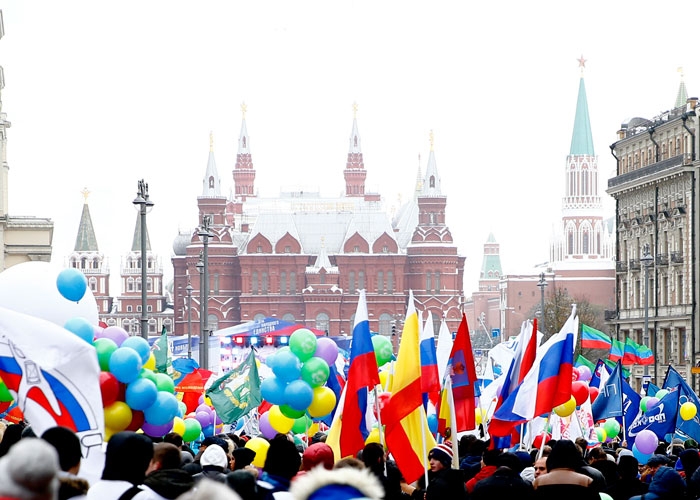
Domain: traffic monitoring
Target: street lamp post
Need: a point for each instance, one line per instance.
(144, 205)
(189, 318)
(204, 233)
(542, 284)
(646, 260)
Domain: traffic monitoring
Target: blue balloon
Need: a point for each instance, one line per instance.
(287, 366)
(208, 431)
(81, 327)
(125, 364)
(240, 424)
(433, 423)
(298, 395)
(140, 345)
(272, 390)
(642, 458)
(141, 394)
(72, 284)
(163, 410)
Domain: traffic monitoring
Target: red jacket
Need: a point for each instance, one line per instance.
(485, 472)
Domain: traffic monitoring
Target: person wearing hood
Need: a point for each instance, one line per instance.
(562, 479)
(339, 484)
(667, 484)
(628, 483)
(126, 461)
(281, 465)
(214, 461)
(318, 454)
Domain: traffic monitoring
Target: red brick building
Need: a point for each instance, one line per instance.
(301, 257)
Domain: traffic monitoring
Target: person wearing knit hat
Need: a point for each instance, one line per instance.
(29, 471)
(214, 461)
(317, 454)
(443, 481)
(242, 458)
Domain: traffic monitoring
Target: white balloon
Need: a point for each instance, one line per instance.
(30, 288)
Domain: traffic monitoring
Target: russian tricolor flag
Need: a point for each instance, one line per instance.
(548, 383)
(429, 378)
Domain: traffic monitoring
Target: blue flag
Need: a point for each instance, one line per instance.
(660, 420)
(609, 401)
(652, 389)
(674, 382)
(601, 372)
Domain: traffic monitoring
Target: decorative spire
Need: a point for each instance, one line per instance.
(244, 171)
(211, 184)
(431, 182)
(244, 108)
(86, 241)
(354, 172)
(582, 138)
(354, 110)
(419, 180)
(682, 96)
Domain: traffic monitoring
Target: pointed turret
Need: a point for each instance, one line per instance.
(431, 183)
(211, 184)
(419, 181)
(682, 96)
(582, 138)
(491, 265)
(355, 173)
(244, 172)
(86, 241)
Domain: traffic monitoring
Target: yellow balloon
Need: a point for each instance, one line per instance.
(207, 400)
(279, 422)
(373, 436)
(479, 416)
(108, 434)
(313, 429)
(688, 410)
(260, 447)
(566, 409)
(178, 426)
(151, 363)
(385, 379)
(322, 403)
(117, 416)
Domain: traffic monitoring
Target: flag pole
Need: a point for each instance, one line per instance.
(546, 424)
(379, 426)
(453, 422)
(425, 452)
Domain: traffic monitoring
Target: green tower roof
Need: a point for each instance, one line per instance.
(582, 138)
(86, 240)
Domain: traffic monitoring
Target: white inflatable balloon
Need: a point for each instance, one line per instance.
(30, 288)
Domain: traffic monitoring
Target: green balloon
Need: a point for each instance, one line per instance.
(149, 374)
(643, 403)
(165, 383)
(5, 395)
(104, 347)
(660, 393)
(301, 424)
(303, 343)
(290, 412)
(192, 430)
(315, 372)
(383, 350)
(611, 427)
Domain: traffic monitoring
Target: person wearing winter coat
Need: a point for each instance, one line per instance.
(214, 461)
(29, 471)
(443, 481)
(127, 458)
(337, 484)
(667, 484)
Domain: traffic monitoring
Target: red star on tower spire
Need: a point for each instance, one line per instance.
(581, 62)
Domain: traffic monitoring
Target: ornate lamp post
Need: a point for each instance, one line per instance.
(204, 292)
(144, 205)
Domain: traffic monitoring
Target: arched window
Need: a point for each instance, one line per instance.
(322, 322)
(584, 241)
(292, 282)
(265, 283)
(255, 286)
(351, 281)
(283, 283)
(211, 182)
(432, 181)
(390, 281)
(259, 317)
(380, 282)
(384, 324)
(361, 280)
(288, 317)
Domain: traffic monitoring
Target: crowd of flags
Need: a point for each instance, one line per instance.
(627, 352)
(538, 380)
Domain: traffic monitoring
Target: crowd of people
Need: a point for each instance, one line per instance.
(138, 467)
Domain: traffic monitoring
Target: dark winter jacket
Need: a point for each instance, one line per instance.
(666, 484)
(169, 483)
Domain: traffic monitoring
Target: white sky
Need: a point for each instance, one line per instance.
(102, 94)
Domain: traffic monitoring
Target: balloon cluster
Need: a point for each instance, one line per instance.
(133, 395)
(297, 389)
(580, 392)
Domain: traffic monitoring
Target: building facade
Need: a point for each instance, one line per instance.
(302, 257)
(655, 190)
(23, 238)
